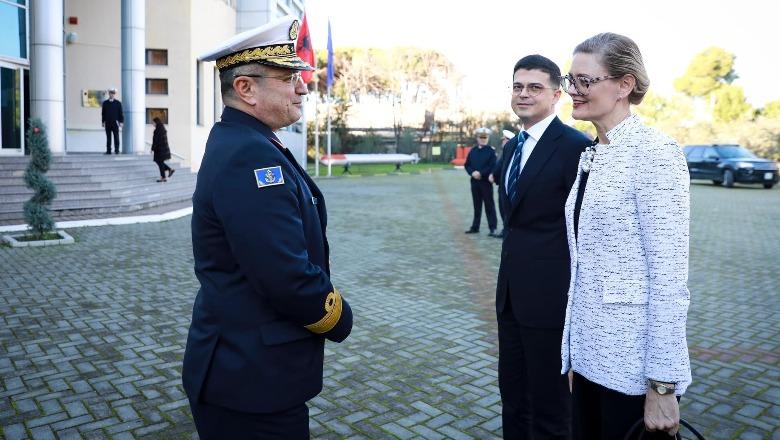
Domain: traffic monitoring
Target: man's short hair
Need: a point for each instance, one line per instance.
(538, 62)
(227, 76)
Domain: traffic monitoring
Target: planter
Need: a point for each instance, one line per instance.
(17, 241)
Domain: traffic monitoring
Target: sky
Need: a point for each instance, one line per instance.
(484, 38)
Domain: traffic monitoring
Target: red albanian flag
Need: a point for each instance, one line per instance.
(304, 49)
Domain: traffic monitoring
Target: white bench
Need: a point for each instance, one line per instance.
(367, 158)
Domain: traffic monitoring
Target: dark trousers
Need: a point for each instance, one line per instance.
(218, 423)
(535, 397)
(482, 192)
(604, 414)
(503, 207)
(112, 128)
(163, 167)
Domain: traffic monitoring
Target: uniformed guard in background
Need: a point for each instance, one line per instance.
(266, 303)
(479, 164)
(495, 178)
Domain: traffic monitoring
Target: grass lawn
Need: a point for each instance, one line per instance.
(372, 169)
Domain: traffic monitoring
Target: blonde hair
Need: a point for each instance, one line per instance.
(621, 56)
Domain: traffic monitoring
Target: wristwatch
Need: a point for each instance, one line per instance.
(662, 388)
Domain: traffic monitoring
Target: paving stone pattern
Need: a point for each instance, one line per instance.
(92, 334)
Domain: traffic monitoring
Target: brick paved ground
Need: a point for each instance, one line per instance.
(92, 347)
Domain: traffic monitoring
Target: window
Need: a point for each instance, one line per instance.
(218, 107)
(695, 154)
(156, 86)
(156, 57)
(198, 94)
(13, 31)
(710, 153)
(152, 113)
(11, 108)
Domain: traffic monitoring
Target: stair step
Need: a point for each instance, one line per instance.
(74, 184)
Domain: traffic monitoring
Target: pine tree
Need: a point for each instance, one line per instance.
(36, 211)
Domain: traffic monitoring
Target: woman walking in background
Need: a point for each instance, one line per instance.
(161, 150)
(627, 216)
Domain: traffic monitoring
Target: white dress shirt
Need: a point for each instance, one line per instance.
(535, 133)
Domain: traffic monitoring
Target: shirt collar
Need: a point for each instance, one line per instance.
(537, 130)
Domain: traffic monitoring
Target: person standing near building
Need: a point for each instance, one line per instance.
(266, 304)
(160, 149)
(479, 164)
(112, 119)
(538, 169)
(495, 178)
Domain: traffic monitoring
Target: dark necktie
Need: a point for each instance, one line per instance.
(514, 172)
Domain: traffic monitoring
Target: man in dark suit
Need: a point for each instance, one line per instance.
(113, 118)
(539, 167)
(495, 178)
(266, 304)
(479, 165)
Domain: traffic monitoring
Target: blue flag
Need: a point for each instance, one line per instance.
(330, 58)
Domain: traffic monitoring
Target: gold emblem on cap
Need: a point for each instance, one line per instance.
(294, 30)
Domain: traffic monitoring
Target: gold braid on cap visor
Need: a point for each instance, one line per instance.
(332, 314)
(280, 54)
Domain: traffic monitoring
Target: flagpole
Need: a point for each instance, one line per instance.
(330, 86)
(316, 131)
(330, 158)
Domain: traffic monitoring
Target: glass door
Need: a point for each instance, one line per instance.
(12, 110)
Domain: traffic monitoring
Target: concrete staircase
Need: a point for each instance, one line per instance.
(94, 185)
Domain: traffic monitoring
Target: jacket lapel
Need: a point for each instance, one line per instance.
(543, 150)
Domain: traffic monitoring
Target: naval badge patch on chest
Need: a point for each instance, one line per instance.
(269, 176)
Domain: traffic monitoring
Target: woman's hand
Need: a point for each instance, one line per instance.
(662, 413)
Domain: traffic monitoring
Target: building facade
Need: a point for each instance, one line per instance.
(59, 57)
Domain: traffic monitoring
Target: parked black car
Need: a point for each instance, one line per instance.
(727, 164)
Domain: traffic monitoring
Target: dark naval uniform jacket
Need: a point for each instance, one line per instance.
(266, 303)
(482, 160)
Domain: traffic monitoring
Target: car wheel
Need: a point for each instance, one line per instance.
(728, 178)
(717, 182)
(769, 185)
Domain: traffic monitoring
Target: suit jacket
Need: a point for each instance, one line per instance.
(266, 302)
(111, 113)
(534, 270)
(628, 303)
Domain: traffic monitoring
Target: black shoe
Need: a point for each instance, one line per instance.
(492, 233)
(170, 172)
(116, 152)
(472, 231)
(107, 152)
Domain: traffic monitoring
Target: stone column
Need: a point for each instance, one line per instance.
(133, 95)
(47, 70)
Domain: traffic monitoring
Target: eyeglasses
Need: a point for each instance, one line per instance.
(532, 89)
(582, 83)
(292, 78)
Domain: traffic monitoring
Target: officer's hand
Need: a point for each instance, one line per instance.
(476, 175)
(490, 178)
(120, 125)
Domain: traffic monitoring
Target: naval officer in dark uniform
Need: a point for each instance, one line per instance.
(479, 165)
(266, 303)
(112, 118)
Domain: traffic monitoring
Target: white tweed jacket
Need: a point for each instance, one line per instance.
(628, 295)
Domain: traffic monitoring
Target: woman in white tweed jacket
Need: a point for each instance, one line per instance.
(627, 217)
